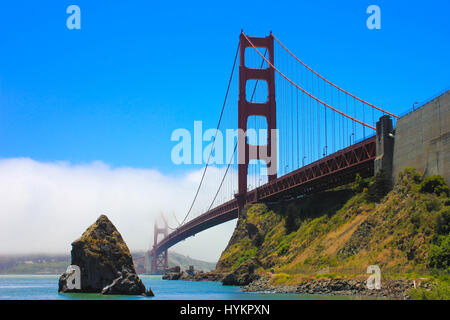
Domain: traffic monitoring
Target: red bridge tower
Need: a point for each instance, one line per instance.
(159, 262)
(247, 152)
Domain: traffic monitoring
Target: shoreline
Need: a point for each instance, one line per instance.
(391, 289)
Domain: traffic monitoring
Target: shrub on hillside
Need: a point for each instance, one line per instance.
(439, 291)
(408, 181)
(439, 256)
(434, 184)
(433, 205)
(359, 184)
(442, 224)
(409, 174)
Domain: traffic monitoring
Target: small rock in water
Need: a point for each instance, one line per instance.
(149, 293)
(127, 283)
(104, 262)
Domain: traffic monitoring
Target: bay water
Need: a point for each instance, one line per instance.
(45, 287)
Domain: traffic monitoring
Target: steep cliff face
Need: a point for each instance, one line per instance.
(342, 232)
(248, 239)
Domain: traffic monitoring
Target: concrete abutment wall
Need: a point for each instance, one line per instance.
(422, 139)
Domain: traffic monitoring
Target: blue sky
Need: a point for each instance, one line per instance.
(116, 89)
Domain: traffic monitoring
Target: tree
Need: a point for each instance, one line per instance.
(434, 184)
(442, 224)
(359, 184)
(440, 254)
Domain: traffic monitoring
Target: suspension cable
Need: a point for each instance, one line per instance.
(223, 178)
(353, 96)
(293, 83)
(235, 145)
(217, 130)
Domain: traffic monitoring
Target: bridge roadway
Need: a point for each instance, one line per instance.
(331, 171)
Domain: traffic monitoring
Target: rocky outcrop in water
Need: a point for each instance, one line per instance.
(241, 276)
(198, 275)
(105, 262)
(172, 275)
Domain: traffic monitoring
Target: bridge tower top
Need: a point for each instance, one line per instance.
(157, 231)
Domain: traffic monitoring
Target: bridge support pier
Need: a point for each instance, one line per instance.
(384, 146)
(160, 262)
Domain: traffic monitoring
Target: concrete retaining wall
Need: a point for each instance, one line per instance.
(422, 139)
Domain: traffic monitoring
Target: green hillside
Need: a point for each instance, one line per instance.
(342, 231)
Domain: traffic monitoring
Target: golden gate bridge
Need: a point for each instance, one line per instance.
(323, 136)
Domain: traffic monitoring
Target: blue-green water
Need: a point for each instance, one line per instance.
(44, 287)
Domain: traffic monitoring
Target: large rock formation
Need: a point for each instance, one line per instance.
(105, 262)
